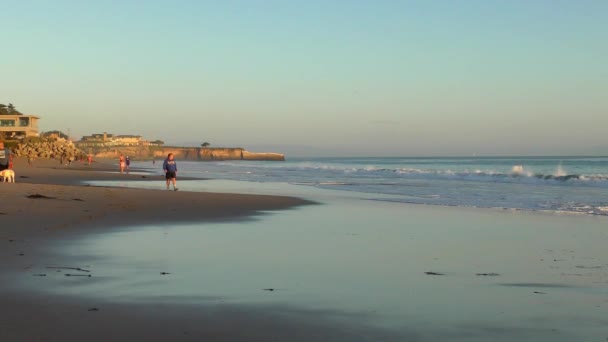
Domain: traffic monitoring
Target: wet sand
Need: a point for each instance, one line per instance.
(44, 318)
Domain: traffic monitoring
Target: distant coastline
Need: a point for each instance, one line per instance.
(183, 153)
(106, 145)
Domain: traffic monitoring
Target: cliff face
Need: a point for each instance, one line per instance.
(185, 153)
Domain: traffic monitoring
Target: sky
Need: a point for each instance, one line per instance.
(326, 78)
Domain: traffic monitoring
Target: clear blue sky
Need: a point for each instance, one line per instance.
(317, 77)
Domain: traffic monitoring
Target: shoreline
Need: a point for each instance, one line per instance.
(67, 202)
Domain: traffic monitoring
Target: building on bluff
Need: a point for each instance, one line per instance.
(18, 126)
(109, 140)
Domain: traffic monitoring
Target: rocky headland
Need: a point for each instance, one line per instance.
(185, 153)
(47, 148)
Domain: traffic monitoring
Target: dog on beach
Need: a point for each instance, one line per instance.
(7, 175)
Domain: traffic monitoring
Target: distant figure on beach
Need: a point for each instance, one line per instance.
(170, 168)
(89, 159)
(63, 158)
(6, 157)
(30, 158)
(128, 162)
(121, 162)
(153, 161)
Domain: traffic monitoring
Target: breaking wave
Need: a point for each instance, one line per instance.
(566, 184)
(528, 178)
(517, 174)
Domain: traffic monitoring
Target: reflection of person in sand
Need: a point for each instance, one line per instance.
(170, 168)
(121, 162)
(6, 157)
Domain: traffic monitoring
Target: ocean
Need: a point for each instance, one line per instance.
(560, 184)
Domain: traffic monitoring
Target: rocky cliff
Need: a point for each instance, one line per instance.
(183, 153)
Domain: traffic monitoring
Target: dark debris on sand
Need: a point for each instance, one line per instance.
(40, 196)
(69, 268)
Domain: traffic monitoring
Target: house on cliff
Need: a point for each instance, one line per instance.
(110, 140)
(128, 140)
(17, 126)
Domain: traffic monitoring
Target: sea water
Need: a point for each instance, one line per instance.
(566, 184)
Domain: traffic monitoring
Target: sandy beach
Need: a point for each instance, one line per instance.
(47, 204)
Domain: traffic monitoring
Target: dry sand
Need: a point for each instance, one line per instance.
(29, 225)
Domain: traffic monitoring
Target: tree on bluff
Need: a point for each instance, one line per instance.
(205, 144)
(8, 110)
(54, 134)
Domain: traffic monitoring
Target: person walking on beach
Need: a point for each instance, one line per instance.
(170, 168)
(6, 157)
(128, 162)
(121, 162)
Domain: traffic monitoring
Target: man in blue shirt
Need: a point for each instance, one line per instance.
(170, 168)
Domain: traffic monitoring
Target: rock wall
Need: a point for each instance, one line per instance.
(48, 148)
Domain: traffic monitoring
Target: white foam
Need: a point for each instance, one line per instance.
(560, 171)
(517, 169)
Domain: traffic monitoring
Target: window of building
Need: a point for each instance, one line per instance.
(24, 122)
(7, 123)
